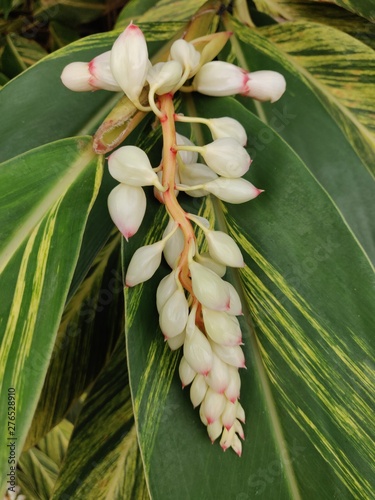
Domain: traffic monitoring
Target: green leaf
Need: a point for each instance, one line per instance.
(306, 391)
(324, 13)
(47, 194)
(317, 114)
(19, 54)
(96, 307)
(61, 35)
(38, 468)
(364, 8)
(108, 466)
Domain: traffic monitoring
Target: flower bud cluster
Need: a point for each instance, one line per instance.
(197, 308)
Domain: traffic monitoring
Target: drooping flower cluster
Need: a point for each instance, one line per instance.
(197, 308)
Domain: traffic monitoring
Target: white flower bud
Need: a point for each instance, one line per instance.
(223, 249)
(174, 245)
(198, 352)
(227, 127)
(129, 61)
(227, 157)
(214, 430)
(265, 85)
(102, 77)
(130, 165)
(185, 53)
(218, 78)
(186, 156)
(166, 288)
(228, 417)
(202, 416)
(238, 429)
(226, 438)
(232, 355)
(232, 392)
(76, 76)
(193, 174)
(232, 190)
(127, 206)
(218, 378)
(240, 413)
(186, 372)
(236, 445)
(235, 306)
(198, 390)
(164, 76)
(177, 341)
(213, 405)
(209, 288)
(144, 263)
(206, 260)
(222, 327)
(174, 314)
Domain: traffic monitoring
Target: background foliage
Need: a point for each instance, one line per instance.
(100, 416)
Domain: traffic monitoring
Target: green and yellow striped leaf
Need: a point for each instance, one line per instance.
(320, 118)
(19, 54)
(364, 8)
(103, 451)
(47, 194)
(96, 307)
(307, 292)
(38, 468)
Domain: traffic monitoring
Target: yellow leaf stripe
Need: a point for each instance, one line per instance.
(333, 394)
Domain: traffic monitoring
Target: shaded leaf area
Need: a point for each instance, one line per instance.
(90, 326)
(364, 8)
(315, 348)
(306, 116)
(37, 261)
(103, 460)
(72, 12)
(19, 54)
(309, 289)
(38, 468)
(324, 13)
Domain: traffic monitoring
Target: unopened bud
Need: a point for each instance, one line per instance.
(198, 352)
(209, 288)
(174, 314)
(130, 165)
(265, 85)
(177, 341)
(236, 445)
(166, 288)
(102, 77)
(232, 392)
(222, 327)
(235, 306)
(76, 76)
(227, 157)
(226, 438)
(206, 261)
(144, 263)
(214, 430)
(232, 190)
(229, 414)
(219, 78)
(193, 174)
(198, 390)
(223, 249)
(186, 372)
(186, 156)
(129, 61)
(175, 244)
(232, 355)
(127, 206)
(185, 53)
(240, 412)
(164, 76)
(213, 405)
(227, 127)
(218, 378)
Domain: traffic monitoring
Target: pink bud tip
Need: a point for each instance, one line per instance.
(259, 191)
(224, 447)
(210, 421)
(239, 453)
